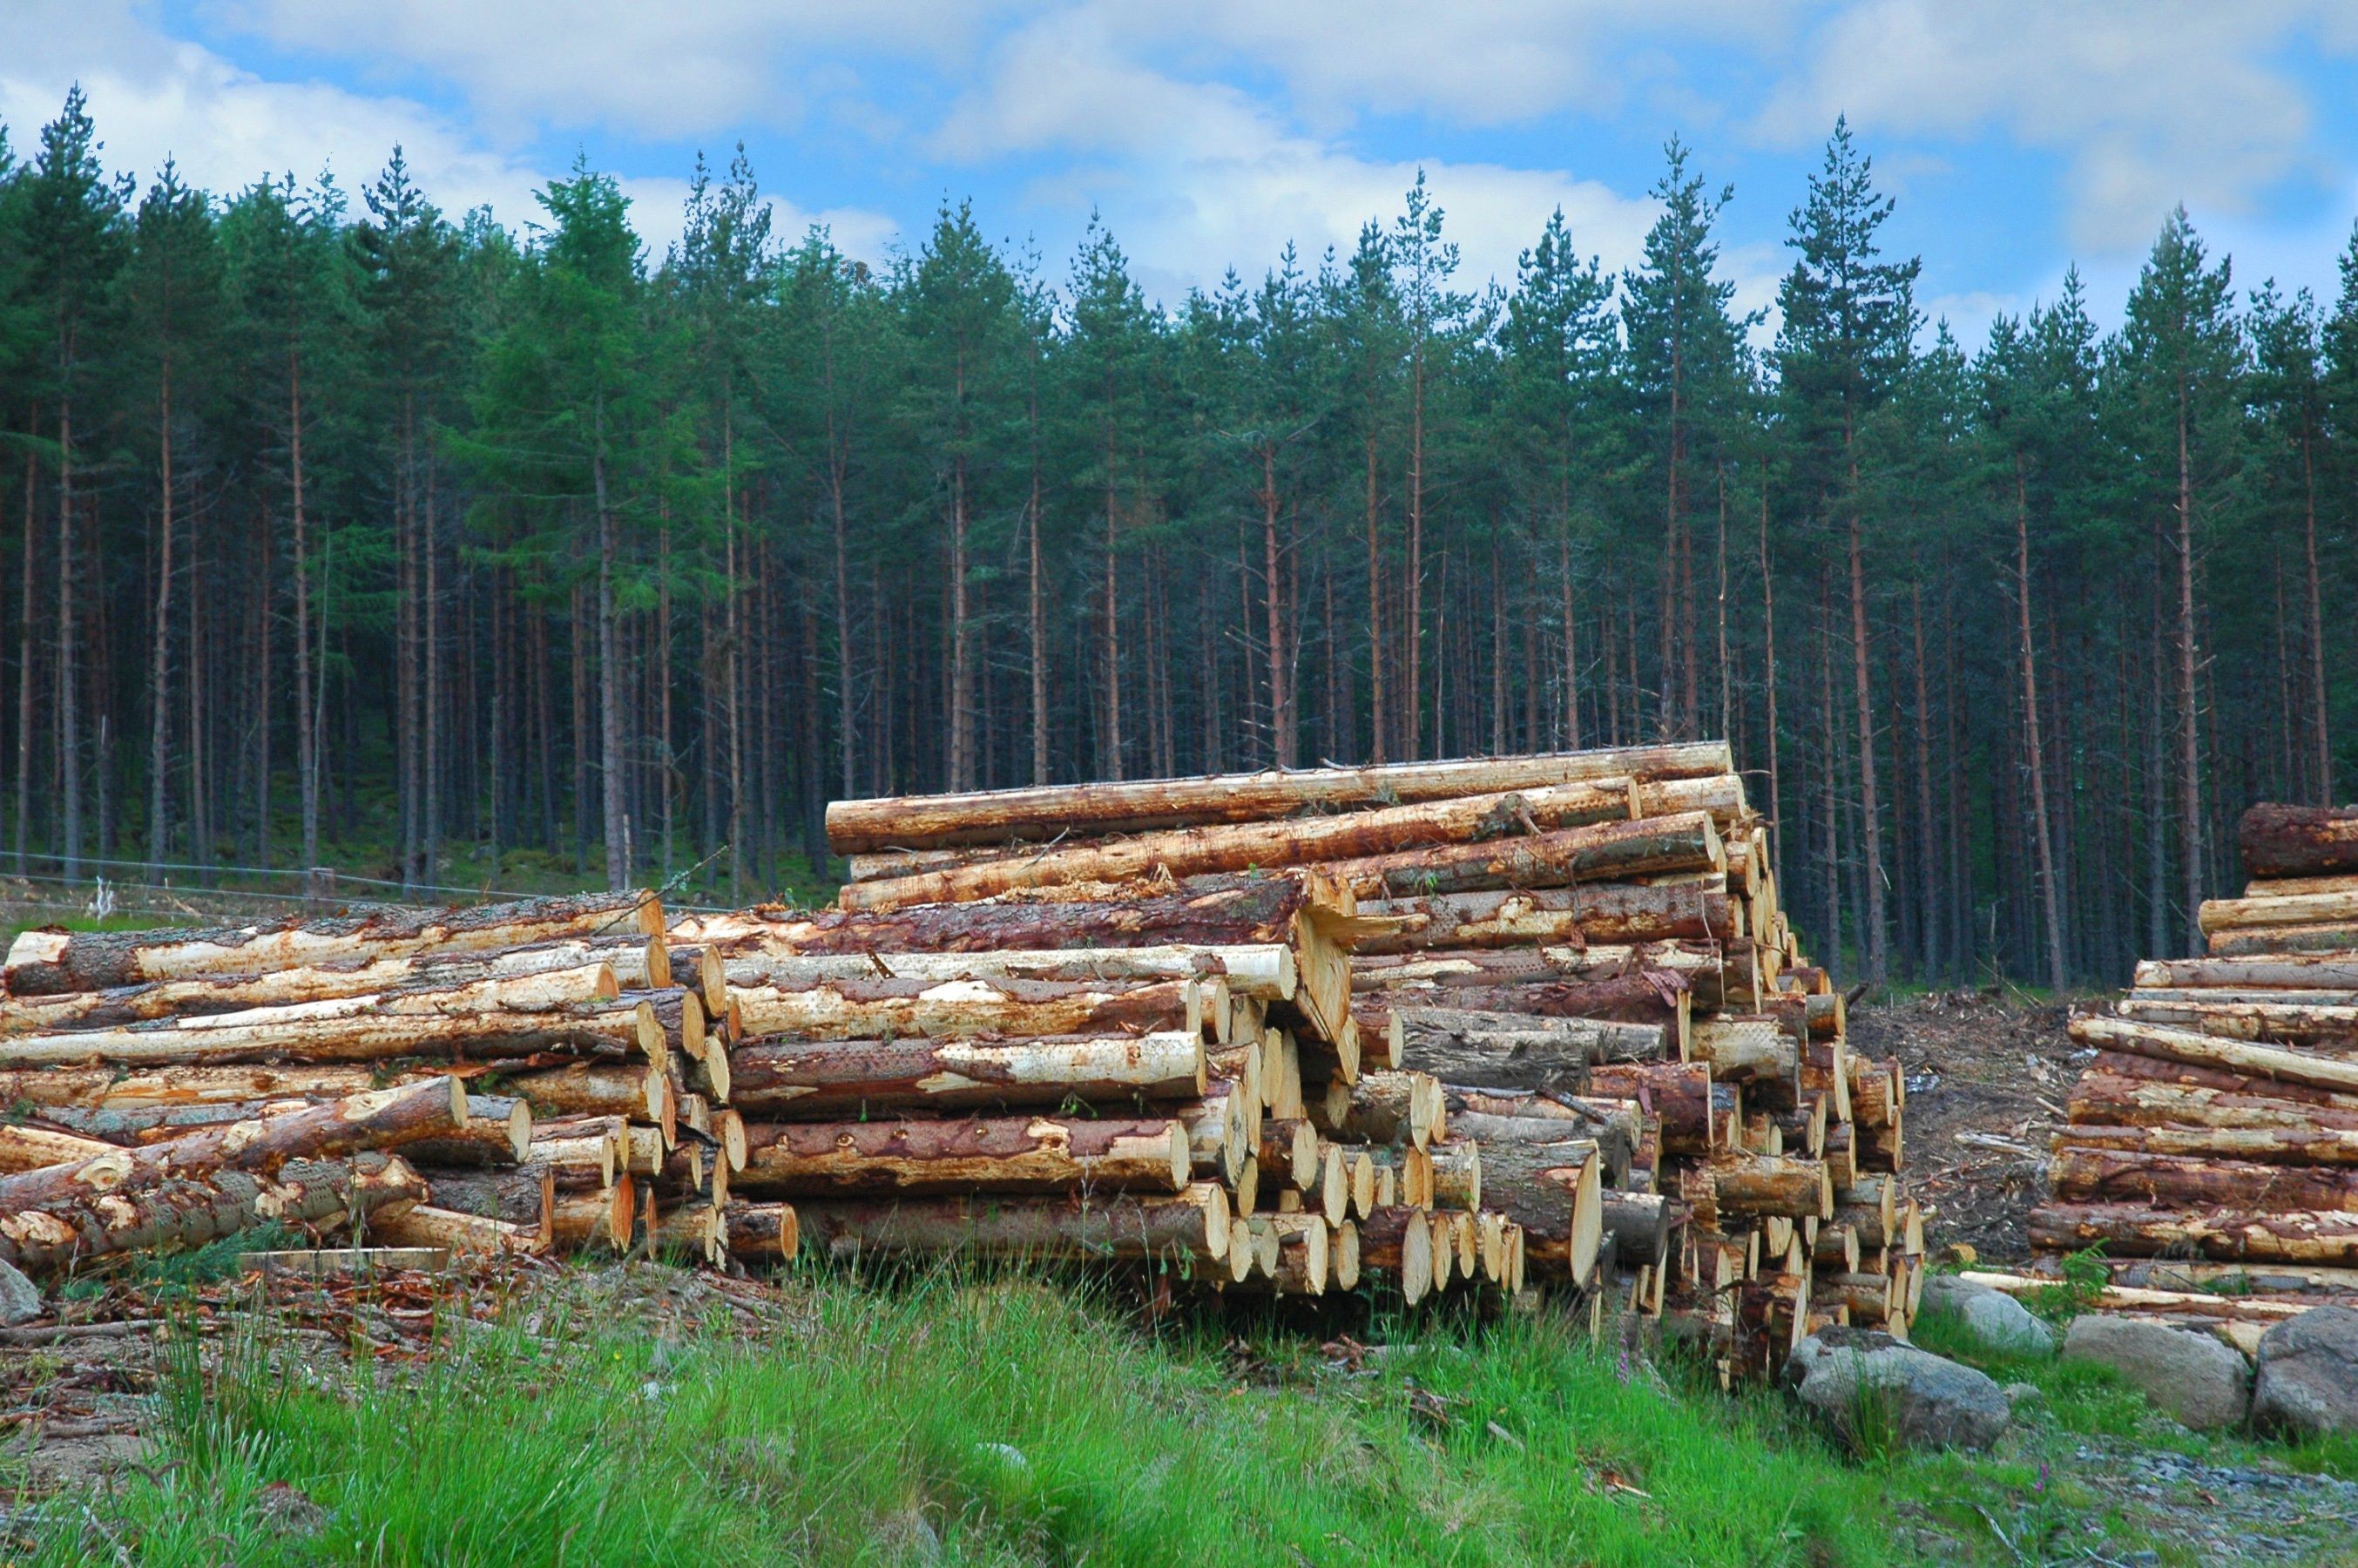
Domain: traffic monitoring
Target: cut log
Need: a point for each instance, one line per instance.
(2298, 840)
(1457, 1174)
(1640, 1224)
(1614, 1145)
(348, 1029)
(2209, 1051)
(48, 962)
(2336, 938)
(2266, 912)
(1387, 1108)
(1733, 1187)
(2139, 1230)
(190, 1210)
(1244, 845)
(455, 1231)
(2094, 1175)
(1263, 971)
(597, 1216)
(1604, 913)
(1655, 997)
(30, 1148)
(524, 1197)
(1554, 1191)
(112, 1089)
(594, 1088)
(1603, 853)
(837, 1078)
(1756, 1051)
(1679, 1093)
(860, 827)
(1397, 1242)
(1515, 1050)
(1288, 1152)
(1036, 1154)
(868, 1009)
(379, 1118)
(2145, 1091)
(497, 1132)
(1303, 1263)
(765, 1232)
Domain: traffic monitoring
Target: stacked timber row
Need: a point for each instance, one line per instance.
(1583, 954)
(1147, 1075)
(516, 1078)
(2216, 1135)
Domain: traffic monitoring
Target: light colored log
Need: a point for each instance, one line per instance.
(2209, 1051)
(872, 1008)
(426, 1226)
(85, 1221)
(1601, 853)
(1263, 971)
(48, 962)
(834, 1078)
(1516, 917)
(1036, 1153)
(2080, 1173)
(2137, 1230)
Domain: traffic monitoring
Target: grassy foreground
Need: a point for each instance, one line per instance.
(1008, 1421)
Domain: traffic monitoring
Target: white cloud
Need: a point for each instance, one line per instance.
(2147, 103)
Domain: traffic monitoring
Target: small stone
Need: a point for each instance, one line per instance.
(1853, 1376)
(2307, 1382)
(2190, 1376)
(2024, 1397)
(20, 1299)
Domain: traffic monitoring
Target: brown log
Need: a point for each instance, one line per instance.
(456, 1231)
(2138, 1230)
(2330, 1029)
(379, 1118)
(2298, 840)
(1398, 1242)
(1263, 971)
(765, 1231)
(594, 1088)
(868, 1009)
(1244, 845)
(1642, 1225)
(1190, 1227)
(1036, 1153)
(1738, 1188)
(48, 962)
(1758, 1052)
(1605, 852)
(1613, 1144)
(1619, 1126)
(1385, 1107)
(598, 1216)
(110, 1089)
(1871, 1207)
(1553, 1191)
(1656, 996)
(1288, 1152)
(860, 827)
(524, 1197)
(1515, 1050)
(2081, 1174)
(1457, 1174)
(2138, 1091)
(497, 1132)
(1516, 917)
(188, 1210)
(1677, 1093)
(2208, 1051)
(829, 1079)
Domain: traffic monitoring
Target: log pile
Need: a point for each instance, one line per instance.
(515, 1079)
(1576, 964)
(2215, 1135)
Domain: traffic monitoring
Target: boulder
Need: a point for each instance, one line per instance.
(2194, 1377)
(1995, 1320)
(1868, 1387)
(2307, 1382)
(20, 1299)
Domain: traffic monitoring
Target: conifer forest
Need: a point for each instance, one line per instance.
(339, 529)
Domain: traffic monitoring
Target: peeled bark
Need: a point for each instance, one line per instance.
(1036, 1154)
(2137, 1230)
(1606, 852)
(2207, 1051)
(866, 1009)
(1751, 1187)
(1237, 847)
(377, 1120)
(602, 1217)
(49, 961)
(2076, 1173)
(859, 826)
(496, 1131)
(188, 1210)
(1604, 913)
(1262, 971)
(2333, 938)
(841, 1077)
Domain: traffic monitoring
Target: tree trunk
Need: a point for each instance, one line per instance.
(2051, 906)
(68, 675)
(798, 1079)
(1014, 1154)
(160, 724)
(2190, 756)
(1599, 912)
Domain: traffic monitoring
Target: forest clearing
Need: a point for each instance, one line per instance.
(1483, 1115)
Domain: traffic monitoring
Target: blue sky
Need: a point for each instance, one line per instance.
(2018, 135)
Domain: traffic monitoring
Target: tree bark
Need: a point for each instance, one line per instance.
(1018, 1154)
(847, 1077)
(1606, 912)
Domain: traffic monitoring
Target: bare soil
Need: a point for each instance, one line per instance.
(1987, 1076)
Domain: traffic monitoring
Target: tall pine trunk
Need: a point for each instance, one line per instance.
(2190, 754)
(2049, 898)
(609, 687)
(159, 711)
(1870, 803)
(69, 711)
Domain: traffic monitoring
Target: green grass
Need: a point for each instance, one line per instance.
(987, 1422)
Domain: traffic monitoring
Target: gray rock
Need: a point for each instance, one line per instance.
(1995, 1319)
(2024, 1399)
(1866, 1387)
(2194, 1377)
(20, 1299)
(2308, 1383)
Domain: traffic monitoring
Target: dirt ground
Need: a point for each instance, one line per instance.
(1987, 1076)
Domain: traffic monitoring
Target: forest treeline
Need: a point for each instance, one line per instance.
(336, 527)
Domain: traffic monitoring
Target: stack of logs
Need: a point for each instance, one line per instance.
(1576, 963)
(515, 1079)
(2215, 1136)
